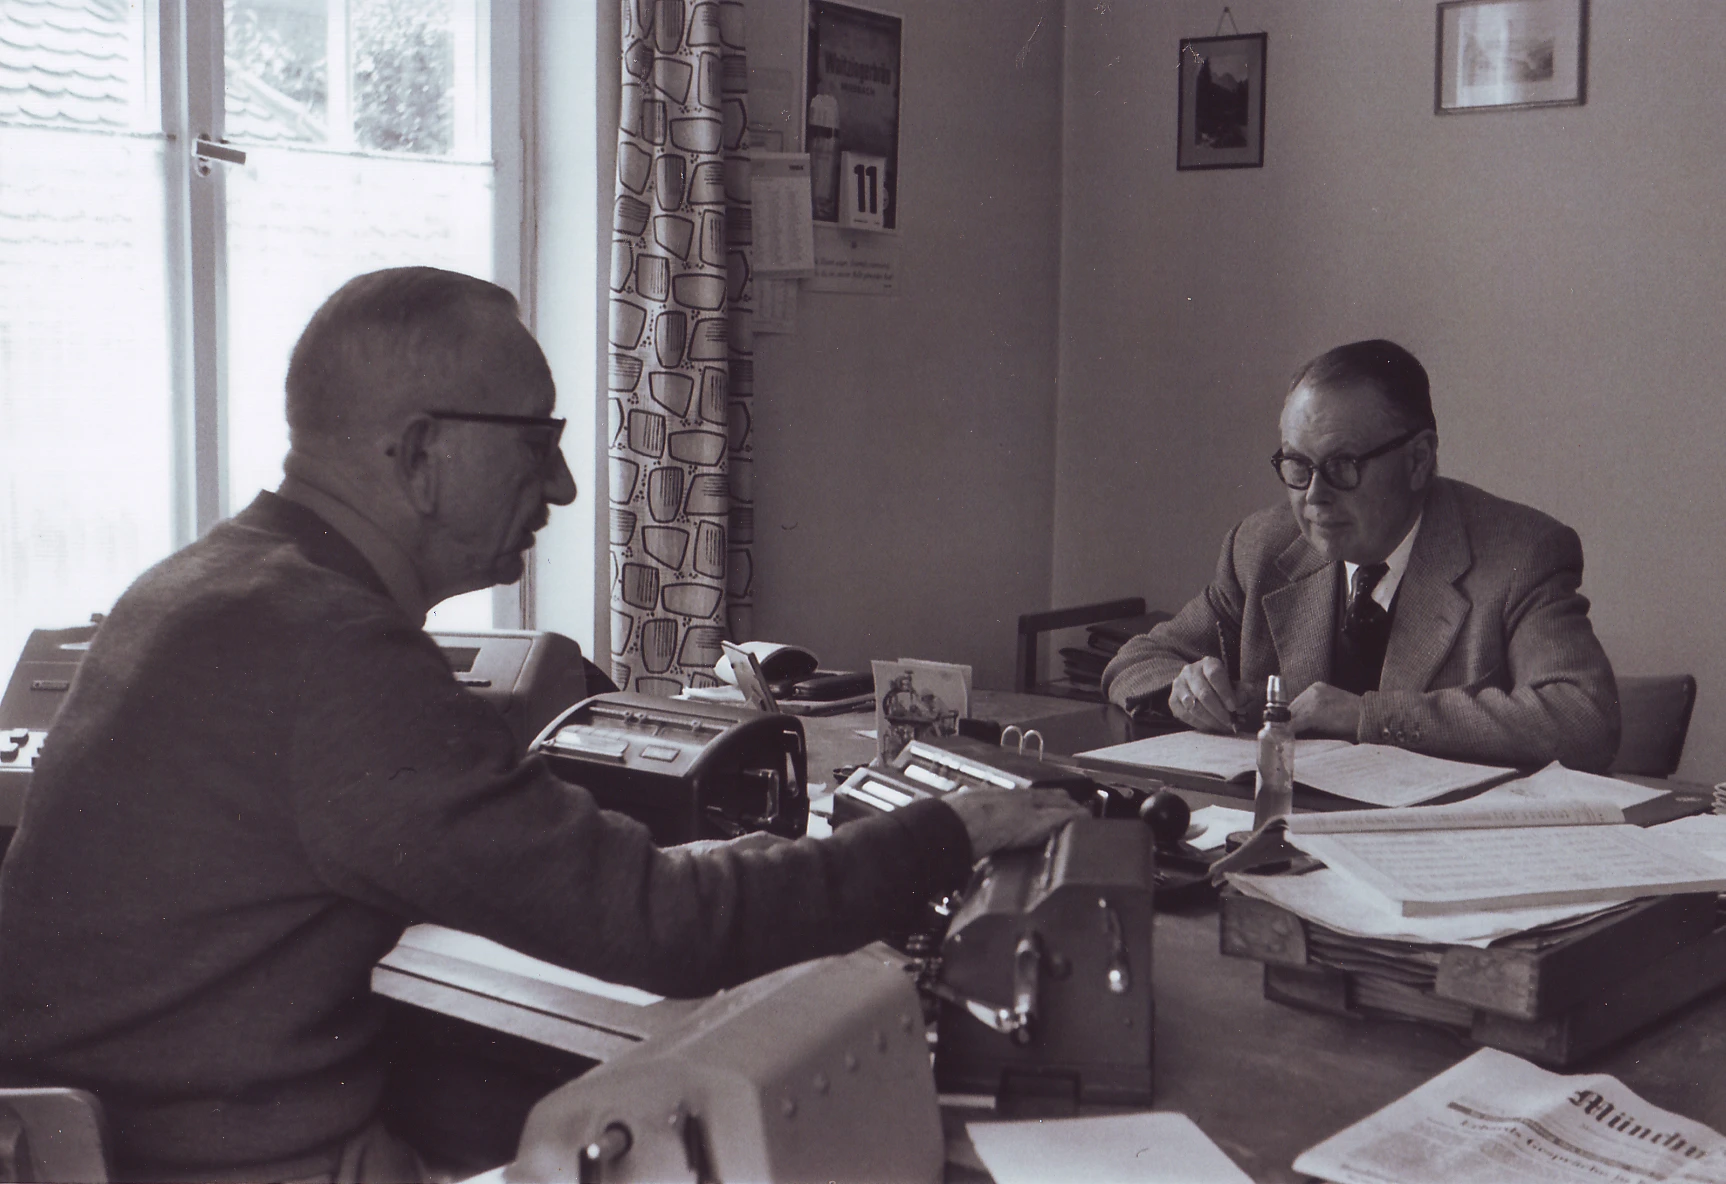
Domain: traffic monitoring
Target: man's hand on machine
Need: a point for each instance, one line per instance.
(997, 819)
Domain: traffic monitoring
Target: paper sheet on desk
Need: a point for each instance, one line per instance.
(1497, 1117)
(1217, 823)
(454, 943)
(1705, 834)
(1136, 1148)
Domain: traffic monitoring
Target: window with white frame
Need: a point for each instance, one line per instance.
(149, 297)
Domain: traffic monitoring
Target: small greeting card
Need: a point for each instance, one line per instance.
(918, 700)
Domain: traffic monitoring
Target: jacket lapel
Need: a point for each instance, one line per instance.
(1430, 610)
(1302, 616)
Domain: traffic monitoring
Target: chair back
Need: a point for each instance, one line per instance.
(52, 1134)
(1654, 710)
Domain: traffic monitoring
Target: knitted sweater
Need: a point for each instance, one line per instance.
(264, 772)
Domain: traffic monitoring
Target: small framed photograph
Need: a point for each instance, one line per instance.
(1498, 55)
(1221, 124)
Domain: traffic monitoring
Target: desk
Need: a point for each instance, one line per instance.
(1268, 1081)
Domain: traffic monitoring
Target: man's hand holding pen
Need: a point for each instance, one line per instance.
(1203, 696)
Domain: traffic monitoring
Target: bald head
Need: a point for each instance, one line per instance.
(393, 343)
(419, 402)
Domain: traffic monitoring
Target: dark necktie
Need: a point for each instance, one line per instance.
(1359, 657)
(1365, 618)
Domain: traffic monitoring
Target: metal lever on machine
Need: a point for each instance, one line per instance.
(696, 1154)
(612, 1145)
(1015, 1021)
(1120, 970)
(1027, 970)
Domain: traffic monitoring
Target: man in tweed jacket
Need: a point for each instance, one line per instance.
(1485, 652)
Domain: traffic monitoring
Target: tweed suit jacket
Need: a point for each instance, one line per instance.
(1491, 656)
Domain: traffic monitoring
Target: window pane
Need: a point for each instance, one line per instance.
(303, 219)
(277, 72)
(85, 446)
(471, 610)
(404, 75)
(300, 224)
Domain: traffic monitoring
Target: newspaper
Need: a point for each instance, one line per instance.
(1497, 1117)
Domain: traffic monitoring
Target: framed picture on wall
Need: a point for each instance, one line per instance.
(1221, 122)
(1497, 55)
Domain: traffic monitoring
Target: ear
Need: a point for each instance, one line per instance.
(1423, 458)
(416, 467)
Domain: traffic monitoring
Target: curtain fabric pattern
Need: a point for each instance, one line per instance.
(681, 372)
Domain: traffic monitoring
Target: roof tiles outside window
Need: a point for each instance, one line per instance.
(71, 63)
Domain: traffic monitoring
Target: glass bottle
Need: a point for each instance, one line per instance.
(1274, 794)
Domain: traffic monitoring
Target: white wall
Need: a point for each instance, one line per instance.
(904, 460)
(1559, 272)
(904, 463)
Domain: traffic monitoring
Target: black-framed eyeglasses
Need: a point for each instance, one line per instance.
(1341, 472)
(545, 446)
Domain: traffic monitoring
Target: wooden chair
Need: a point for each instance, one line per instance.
(1655, 713)
(52, 1135)
(1032, 626)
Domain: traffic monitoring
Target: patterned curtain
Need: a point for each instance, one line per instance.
(681, 369)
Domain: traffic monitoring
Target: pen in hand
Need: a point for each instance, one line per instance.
(1239, 720)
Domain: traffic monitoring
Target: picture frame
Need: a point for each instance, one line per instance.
(854, 60)
(1220, 122)
(1510, 55)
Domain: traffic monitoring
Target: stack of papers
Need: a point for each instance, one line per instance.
(1435, 872)
(1469, 872)
(1329, 898)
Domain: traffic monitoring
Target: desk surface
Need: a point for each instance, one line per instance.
(1267, 1081)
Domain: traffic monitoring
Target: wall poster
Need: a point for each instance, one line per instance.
(851, 116)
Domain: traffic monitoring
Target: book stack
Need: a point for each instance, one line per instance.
(1083, 665)
(1554, 994)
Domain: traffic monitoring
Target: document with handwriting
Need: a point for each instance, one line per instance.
(1433, 872)
(1379, 774)
(1233, 758)
(1555, 796)
(1383, 775)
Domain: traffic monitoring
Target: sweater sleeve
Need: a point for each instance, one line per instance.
(407, 798)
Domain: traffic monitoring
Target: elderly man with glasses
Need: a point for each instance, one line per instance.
(1399, 607)
(266, 770)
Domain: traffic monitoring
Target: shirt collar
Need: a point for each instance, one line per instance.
(393, 565)
(1397, 561)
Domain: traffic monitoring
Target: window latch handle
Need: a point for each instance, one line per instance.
(206, 149)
